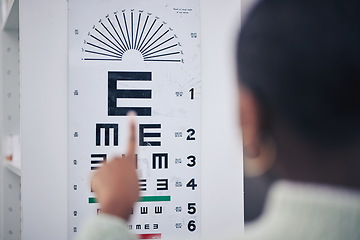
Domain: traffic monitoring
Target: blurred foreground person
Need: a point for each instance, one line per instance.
(299, 71)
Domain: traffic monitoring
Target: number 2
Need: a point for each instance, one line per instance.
(191, 134)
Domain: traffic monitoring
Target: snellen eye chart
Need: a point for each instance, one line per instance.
(142, 56)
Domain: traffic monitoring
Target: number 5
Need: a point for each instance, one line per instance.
(191, 208)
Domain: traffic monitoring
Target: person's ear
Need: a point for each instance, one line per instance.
(259, 152)
(250, 123)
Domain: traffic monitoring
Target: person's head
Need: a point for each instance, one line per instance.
(299, 71)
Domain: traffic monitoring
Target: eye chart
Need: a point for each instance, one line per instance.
(142, 56)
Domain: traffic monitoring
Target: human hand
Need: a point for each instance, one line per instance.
(116, 183)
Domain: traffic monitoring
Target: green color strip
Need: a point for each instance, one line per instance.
(144, 199)
(155, 199)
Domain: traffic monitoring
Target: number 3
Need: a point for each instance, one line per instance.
(192, 162)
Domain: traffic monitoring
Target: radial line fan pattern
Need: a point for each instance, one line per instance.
(119, 33)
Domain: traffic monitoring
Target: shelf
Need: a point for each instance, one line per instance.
(11, 16)
(13, 168)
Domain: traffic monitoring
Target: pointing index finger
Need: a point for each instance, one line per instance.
(132, 136)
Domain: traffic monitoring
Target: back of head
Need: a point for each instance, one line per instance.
(301, 59)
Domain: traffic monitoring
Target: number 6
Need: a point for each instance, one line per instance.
(191, 226)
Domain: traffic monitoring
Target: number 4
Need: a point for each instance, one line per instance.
(191, 184)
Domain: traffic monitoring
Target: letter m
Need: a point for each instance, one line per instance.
(107, 128)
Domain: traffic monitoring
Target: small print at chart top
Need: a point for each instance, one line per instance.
(141, 56)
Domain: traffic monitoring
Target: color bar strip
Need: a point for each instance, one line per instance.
(149, 236)
(155, 199)
(143, 199)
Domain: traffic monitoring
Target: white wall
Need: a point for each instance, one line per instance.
(1, 142)
(222, 173)
(44, 118)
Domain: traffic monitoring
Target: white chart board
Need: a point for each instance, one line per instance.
(140, 55)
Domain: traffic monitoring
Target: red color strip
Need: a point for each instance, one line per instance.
(149, 236)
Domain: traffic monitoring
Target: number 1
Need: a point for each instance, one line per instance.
(192, 91)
